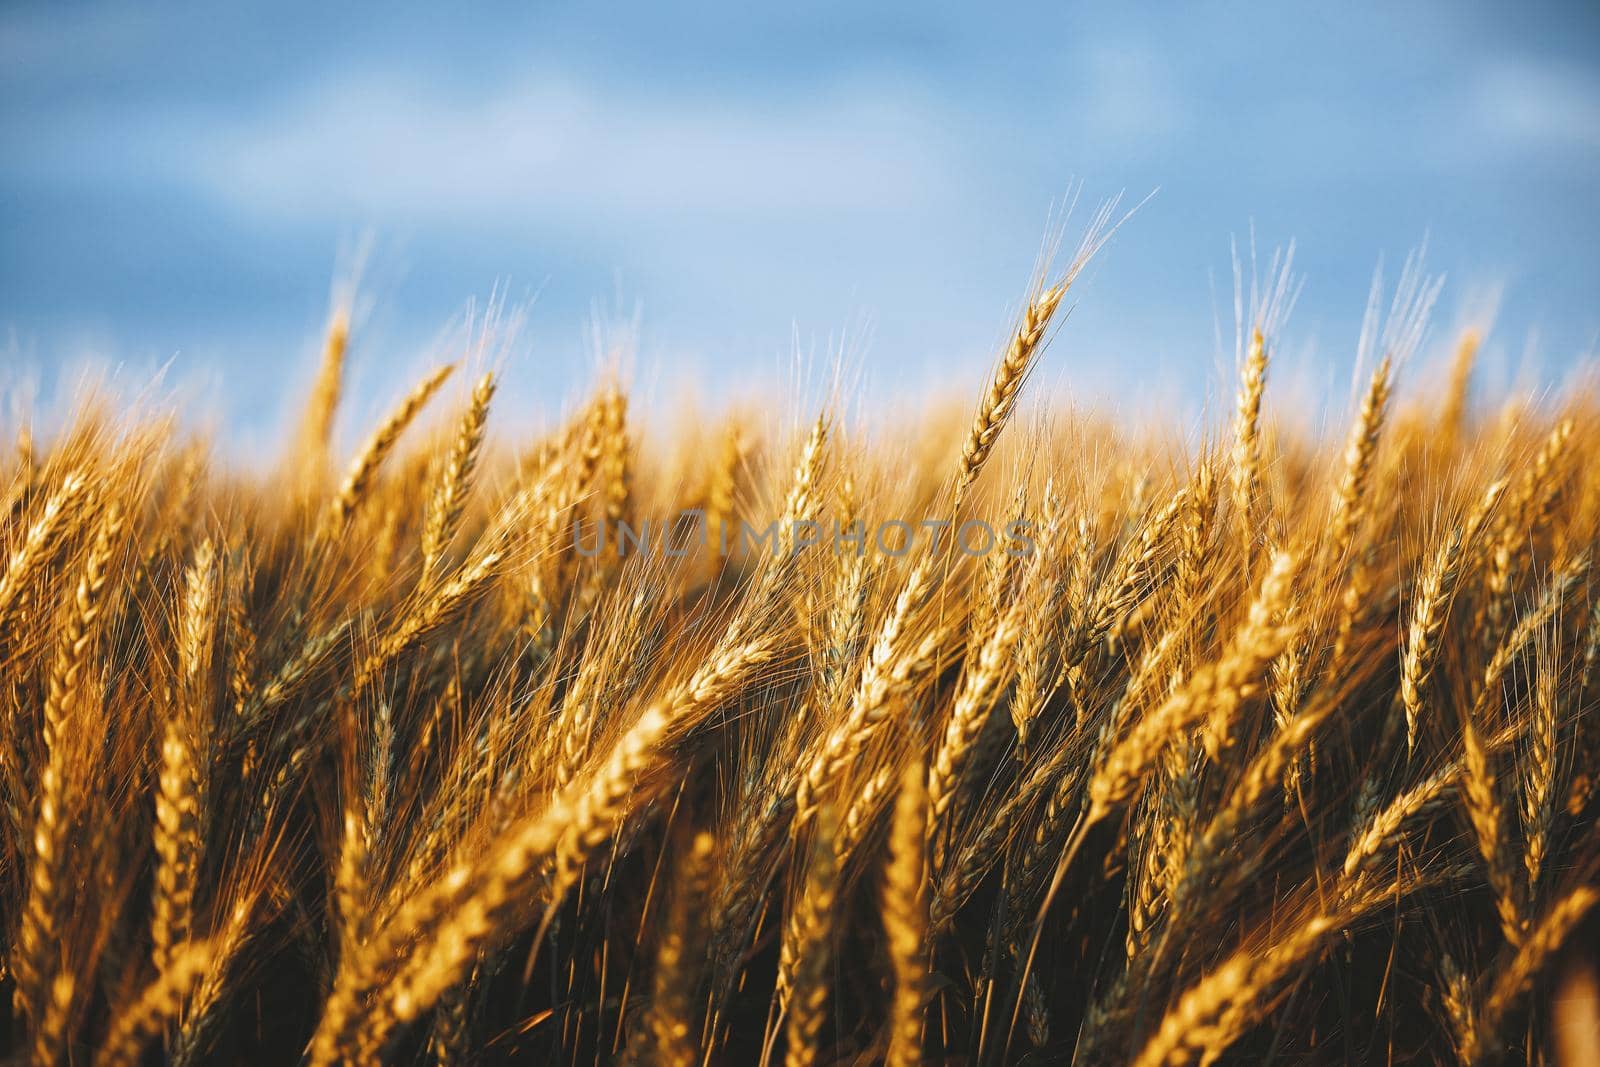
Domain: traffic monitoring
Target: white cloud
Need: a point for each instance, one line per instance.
(1540, 103)
(383, 148)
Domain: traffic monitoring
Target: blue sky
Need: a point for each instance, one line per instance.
(180, 185)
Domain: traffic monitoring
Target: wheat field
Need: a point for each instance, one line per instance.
(1233, 744)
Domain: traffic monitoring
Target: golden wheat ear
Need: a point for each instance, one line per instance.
(183, 779)
(1458, 395)
(1350, 500)
(358, 482)
(808, 958)
(43, 535)
(1545, 939)
(670, 1031)
(906, 917)
(449, 496)
(1245, 469)
(1000, 396)
(43, 994)
(314, 442)
(138, 1023)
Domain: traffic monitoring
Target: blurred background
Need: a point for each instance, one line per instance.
(731, 190)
